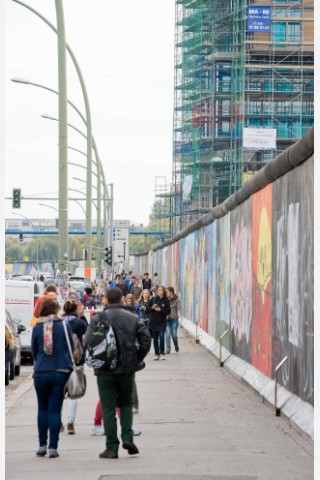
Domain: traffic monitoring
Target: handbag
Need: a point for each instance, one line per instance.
(77, 383)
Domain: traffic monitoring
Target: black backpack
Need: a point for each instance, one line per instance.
(101, 350)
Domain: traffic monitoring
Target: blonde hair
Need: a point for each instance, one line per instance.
(144, 291)
(9, 337)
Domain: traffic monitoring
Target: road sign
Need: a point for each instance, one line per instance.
(120, 242)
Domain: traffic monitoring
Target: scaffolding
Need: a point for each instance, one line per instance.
(228, 78)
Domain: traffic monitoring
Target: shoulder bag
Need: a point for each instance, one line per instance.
(77, 383)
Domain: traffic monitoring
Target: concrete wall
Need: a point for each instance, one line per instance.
(251, 271)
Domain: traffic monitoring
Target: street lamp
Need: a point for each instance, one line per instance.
(19, 214)
(88, 239)
(100, 172)
(62, 43)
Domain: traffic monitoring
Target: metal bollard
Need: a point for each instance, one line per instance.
(224, 333)
(277, 410)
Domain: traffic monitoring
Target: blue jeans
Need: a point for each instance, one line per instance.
(171, 330)
(156, 336)
(50, 392)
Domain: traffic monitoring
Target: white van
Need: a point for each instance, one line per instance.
(20, 301)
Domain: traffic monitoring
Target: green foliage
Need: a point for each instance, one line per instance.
(158, 221)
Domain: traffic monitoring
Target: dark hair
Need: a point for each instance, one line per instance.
(49, 306)
(51, 288)
(114, 295)
(146, 274)
(171, 289)
(70, 306)
(88, 290)
(163, 289)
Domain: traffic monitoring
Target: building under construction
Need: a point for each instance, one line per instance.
(244, 91)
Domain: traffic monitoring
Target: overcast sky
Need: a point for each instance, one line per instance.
(125, 53)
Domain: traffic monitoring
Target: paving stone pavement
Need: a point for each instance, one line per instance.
(198, 422)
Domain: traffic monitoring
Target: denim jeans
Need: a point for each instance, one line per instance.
(116, 390)
(50, 393)
(156, 336)
(171, 330)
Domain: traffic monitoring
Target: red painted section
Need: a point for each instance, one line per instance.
(261, 337)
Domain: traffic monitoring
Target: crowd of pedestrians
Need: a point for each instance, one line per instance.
(140, 313)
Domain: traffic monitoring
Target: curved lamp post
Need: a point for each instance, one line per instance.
(88, 123)
(37, 249)
(100, 171)
(88, 189)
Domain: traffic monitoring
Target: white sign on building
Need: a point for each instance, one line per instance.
(120, 243)
(259, 138)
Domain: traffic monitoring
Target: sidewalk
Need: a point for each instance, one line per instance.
(197, 420)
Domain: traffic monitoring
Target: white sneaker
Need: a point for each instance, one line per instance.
(162, 357)
(98, 430)
(136, 431)
(156, 357)
(135, 410)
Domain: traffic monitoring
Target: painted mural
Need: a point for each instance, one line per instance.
(292, 280)
(251, 272)
(241, 280)
(261, 334)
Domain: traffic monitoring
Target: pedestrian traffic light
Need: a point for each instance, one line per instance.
(16, 198)
(108, 255)
(20, 237)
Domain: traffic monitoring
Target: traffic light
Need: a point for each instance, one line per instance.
(16, 198)
(108, 255)
(20, 237)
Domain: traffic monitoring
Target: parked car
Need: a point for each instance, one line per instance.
(77, 283)
(49, 281)
(13, 362)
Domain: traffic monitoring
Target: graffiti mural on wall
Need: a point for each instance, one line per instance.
(241, 280)
(293, 280)
(252, 271)
(261, 338)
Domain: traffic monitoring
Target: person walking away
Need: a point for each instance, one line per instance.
(88, 299)
(123, 286)
(172, 320)
(130, 303)
(52, 368)
(78, 328)
(159, 308)
(49, 292)
(115, 386)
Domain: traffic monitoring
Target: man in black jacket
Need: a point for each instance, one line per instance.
(116, 386)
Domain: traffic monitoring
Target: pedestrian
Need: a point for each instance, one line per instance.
(98, 428)
(88, 299)
(78, 328)
(136, 288)
(159, 308)
(123, 286)
(49, 292)
(116, 386)
(172, 320)
(52, 368)
(131, 304)
(146, 281)
(143, 303)
(72, 294)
